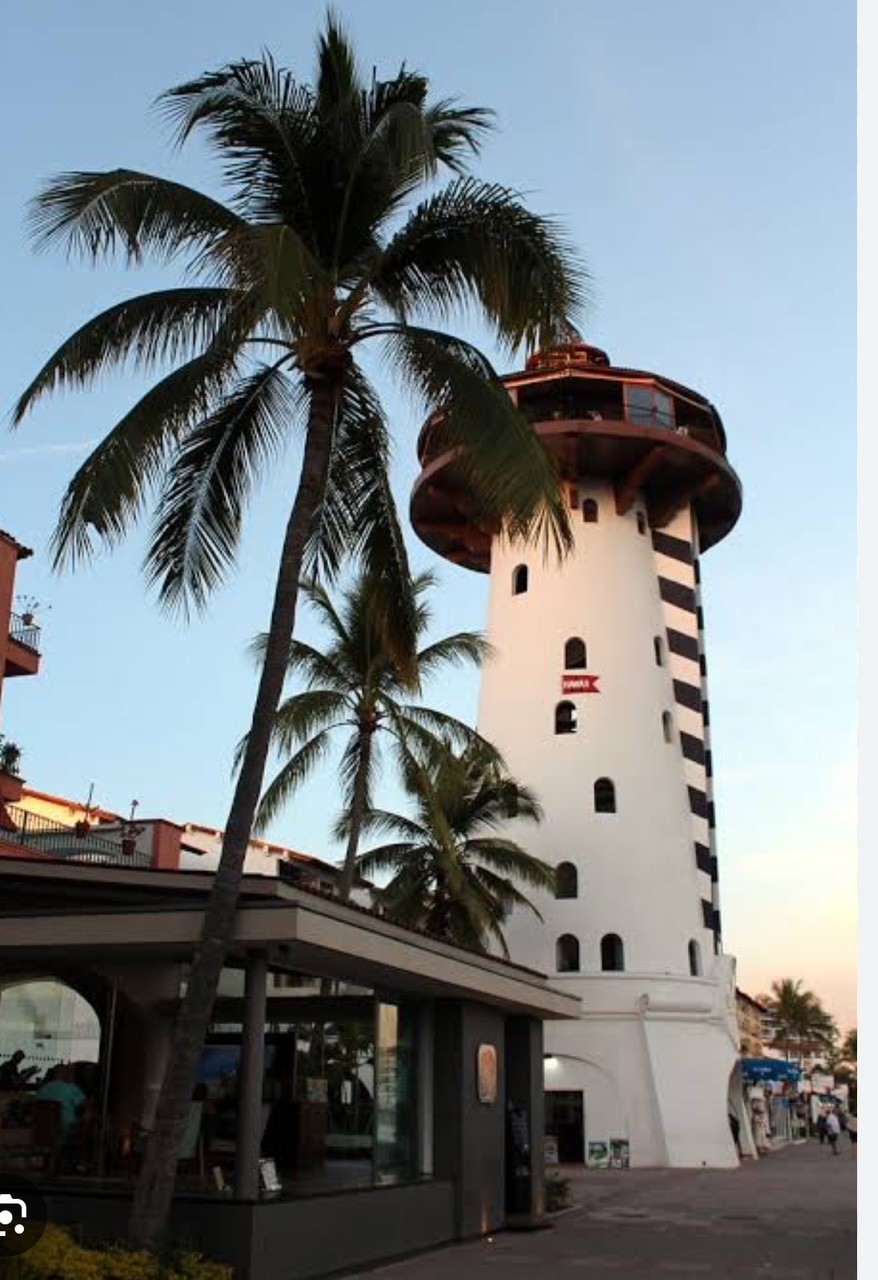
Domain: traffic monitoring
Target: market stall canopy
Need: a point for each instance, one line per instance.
(770, 1069)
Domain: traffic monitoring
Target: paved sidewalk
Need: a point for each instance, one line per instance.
(789, 1216)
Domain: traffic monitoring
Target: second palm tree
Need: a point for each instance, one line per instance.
(358, 685)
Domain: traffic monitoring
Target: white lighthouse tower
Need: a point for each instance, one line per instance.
(597, 698)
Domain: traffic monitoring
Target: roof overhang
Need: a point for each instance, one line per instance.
(153, 918)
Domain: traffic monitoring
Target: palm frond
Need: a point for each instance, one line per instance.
(261, 121)
(287, 781)
(433, 733)
(358, 517)
(496, 452)
(458, 650)
(508, 858)
(318, 670)
(198, 520)
(384, 822)
(94, 215)
(458, 132)
(504, 892)
(386, 857)
(169, 325)
(475, 243)
(302, 714)
(108, 492)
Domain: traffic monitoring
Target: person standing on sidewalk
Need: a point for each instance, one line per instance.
(852, 1130)
(833, 1129)
(821, 1126)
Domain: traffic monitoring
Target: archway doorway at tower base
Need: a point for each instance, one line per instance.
(654, 1090)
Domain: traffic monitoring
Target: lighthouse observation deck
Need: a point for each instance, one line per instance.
(641, 432)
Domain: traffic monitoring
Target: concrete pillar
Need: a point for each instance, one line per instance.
(249, 1131)
(524, 1088)
(425, 1090)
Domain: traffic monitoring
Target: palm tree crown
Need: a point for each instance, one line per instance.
(311, 256)
(451, 875)
(355, 684)
(799, 1016)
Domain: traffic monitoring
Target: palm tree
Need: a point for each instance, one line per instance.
(357, 684)
(799, 1017)
(317, 251)
(848, 1052)
(451, 875)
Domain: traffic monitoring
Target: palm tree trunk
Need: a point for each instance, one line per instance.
(358, 812)
(155, 1185)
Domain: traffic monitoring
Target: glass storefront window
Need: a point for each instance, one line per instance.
(395, 1093)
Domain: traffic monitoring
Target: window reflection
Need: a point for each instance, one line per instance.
(395, 1093)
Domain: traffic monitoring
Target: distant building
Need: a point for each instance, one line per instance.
(19, 656)
(751, 1021)
(59, 827)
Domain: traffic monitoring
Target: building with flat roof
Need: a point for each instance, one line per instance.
(402, 1099)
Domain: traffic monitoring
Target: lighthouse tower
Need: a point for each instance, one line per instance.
(597, 698)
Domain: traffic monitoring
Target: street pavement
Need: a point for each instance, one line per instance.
(788, 1216)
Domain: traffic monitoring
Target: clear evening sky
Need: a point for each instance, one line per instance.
(703, 158)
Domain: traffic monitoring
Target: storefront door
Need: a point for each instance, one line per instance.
(565, 1121)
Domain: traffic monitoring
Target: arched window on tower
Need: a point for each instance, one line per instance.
(519, 580)
(658, 650)
(604, 796)
(667, 726)
(694, 959)
(567, 954)
(574, 654)
(641, 523)
(565, 717)
(566, 881)
(589, 511)
(612, 953)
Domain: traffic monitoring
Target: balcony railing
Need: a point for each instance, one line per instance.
(26, 633)
(57, 841)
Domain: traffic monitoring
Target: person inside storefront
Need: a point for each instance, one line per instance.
(13, 1075)
(59, 1087)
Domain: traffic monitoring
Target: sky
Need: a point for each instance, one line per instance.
(703, 159)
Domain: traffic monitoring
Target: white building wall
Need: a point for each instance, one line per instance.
(652, 1060)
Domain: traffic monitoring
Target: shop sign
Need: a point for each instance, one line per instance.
(579, 683)
(486, 1074)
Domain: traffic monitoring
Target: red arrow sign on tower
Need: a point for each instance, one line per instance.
(580, 683)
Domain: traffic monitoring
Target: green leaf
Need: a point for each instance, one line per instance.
(476, 244)
(169, 325)
(198, 521)
(497, 456)
(96, 214)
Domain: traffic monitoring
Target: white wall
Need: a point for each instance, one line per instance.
(638, 876)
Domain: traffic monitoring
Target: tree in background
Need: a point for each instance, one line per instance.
(316, 252)
(800, 1019)
(451, 874)
(357, 685)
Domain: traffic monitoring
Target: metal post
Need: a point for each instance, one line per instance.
(108, 1039)
(248, 1136)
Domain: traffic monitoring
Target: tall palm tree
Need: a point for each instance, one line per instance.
(358, 685)
(451, 874)
(318, 250)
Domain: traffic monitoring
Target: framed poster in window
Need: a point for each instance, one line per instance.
(486, 1074)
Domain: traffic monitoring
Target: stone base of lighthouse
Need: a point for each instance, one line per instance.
(654, 1060)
